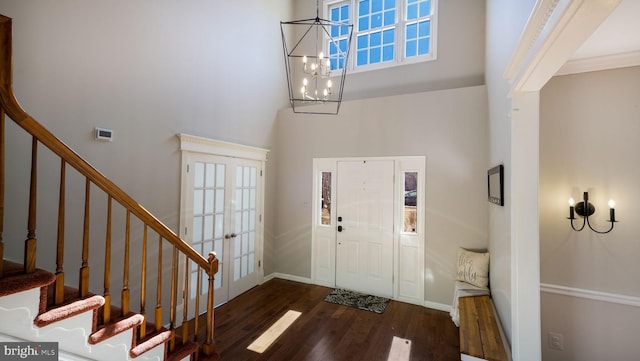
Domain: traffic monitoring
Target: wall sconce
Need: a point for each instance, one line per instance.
(585, 209)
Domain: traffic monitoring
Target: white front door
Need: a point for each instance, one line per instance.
(365, 221)
(223, 216)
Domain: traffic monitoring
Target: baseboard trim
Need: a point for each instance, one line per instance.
(591, 295)
(288, 277)
(437, 306)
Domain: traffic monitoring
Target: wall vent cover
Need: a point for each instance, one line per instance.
(104, 134)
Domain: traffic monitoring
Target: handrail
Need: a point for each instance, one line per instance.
(9, 106)
(19, 116)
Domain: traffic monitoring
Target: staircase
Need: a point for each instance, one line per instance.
(74, 326)
(88, 322)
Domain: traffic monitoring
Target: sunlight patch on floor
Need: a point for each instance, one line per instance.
(400, 349)
(262, 343)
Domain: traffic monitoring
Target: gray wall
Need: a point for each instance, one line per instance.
(460, 52)
(147, 70)
(448, 127)
(589, 131)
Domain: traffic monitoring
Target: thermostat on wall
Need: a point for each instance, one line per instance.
(104, 134)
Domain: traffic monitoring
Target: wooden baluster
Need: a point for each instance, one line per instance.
(185, 302)
(2, 175)
(209, 346)
(125, 281)
(106, 315)
(30, 243)
(174, 294)
(59, 290)
(158, 316)
(143, 285)
(84, 270)
(197, 313)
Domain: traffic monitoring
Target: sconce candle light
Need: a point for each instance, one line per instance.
(586, 209)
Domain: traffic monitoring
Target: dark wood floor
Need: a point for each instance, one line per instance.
(327, 331)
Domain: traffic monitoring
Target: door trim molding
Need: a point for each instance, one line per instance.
(192, 143)
(326, 276)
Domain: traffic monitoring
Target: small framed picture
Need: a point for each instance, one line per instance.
(495, 183)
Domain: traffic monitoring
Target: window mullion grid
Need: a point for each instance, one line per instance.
(400, 33)
(400, 30)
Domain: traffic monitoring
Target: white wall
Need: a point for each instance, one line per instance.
(589, 135)
(505, 21)
(147, 70)
(448, 127)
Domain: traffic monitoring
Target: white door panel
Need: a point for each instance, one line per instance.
(364, 254)
(354, 258)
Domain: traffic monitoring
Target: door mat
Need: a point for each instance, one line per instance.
(358, 300)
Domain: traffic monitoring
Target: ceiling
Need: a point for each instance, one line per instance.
(618, 37)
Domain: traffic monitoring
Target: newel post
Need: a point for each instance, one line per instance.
(209, 345)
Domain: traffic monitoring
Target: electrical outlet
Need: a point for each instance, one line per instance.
(555, 341)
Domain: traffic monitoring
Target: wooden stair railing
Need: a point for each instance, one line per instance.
(206, 267)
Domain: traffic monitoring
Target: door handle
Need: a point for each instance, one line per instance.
(340, 229)
(232, 235)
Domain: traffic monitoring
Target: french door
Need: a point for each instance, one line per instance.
(224, 218)
(222, 212)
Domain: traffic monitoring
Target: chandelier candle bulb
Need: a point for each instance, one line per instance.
(612, 211)
(571, 203)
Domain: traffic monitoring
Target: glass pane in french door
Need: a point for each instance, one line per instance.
(245, 221)
(208, 218)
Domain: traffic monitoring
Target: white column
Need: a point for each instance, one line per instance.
(525, 239)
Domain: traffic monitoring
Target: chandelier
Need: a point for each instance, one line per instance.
(316, 64)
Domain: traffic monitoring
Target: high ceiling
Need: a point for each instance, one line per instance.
(618, 36)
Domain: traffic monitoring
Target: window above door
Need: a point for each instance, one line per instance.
(387, 32)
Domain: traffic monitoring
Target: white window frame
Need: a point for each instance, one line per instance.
(399, 54)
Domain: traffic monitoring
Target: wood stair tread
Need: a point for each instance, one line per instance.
(116, 327)
(183, 350)
(59, 313)
(14, 280)
(151, 342)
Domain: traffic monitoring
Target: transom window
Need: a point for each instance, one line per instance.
(386, 32)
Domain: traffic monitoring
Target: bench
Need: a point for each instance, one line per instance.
(480, 336)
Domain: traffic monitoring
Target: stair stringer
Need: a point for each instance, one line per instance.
(19, 310)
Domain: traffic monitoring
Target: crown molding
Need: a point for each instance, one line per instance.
(597, 63)
(555, 30)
